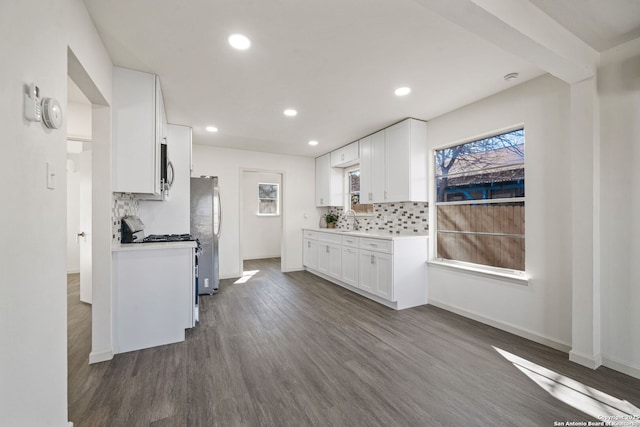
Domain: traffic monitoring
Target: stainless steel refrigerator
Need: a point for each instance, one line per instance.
(206, 219)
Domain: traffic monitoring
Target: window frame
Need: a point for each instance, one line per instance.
(277, 199)
(347, 191)
(513, 275)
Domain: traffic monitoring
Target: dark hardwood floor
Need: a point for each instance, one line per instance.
(294, 350)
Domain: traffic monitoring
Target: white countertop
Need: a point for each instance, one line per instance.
(370, 234)
(152, 246)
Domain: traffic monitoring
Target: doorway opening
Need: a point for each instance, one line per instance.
(262, 218)
(79, 174)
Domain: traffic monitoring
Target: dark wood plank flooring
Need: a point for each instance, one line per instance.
(295, 350)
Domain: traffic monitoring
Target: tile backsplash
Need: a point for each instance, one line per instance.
(123, 204)
(396, 218)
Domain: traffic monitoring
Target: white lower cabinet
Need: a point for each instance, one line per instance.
(350, 266)
(330, 259)
(310, 253)
(376, 275)
(153, 294)
(389, 270)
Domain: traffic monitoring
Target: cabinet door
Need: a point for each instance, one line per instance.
(345, 156)
(350, 266)
(398, 162)
(378, 171)
(310, 254)
(366, 281)
(366, 172)
(135, 165)
(335, 261)
(323, 258)
(328, 182)
(322, 190)
(383, 276)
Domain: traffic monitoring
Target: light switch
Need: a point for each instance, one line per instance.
(51, 176)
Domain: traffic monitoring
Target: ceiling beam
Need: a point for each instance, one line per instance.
(519, 27)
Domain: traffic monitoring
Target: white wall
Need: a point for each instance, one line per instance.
(298, 207)
(541, 310)
(33, 325)
(619, 88)
(261, 235)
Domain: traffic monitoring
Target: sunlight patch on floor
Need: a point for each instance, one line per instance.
(611, 410)
(246, 275)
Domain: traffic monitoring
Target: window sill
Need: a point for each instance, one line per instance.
(519, 278)
(259, 214)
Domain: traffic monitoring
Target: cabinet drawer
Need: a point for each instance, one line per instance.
(377, 245)
(350, 241)
(308, 234)
(330, 237)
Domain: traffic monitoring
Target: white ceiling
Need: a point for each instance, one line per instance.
(602, 24)
(335, 61)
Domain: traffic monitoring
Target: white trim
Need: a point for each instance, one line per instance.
(480, 136)
(513, 276)
(73, 271)
(591, 362)
(483, 201)
(620, 366)
(507, 327)
(100, 356)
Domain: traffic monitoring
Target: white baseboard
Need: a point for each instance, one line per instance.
(291, 270)
(524, 333)
(74, 271)
(70, 423)
(591, 362)
(100, 356)
(620, 366)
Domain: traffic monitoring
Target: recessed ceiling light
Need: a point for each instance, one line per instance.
(290, 112)
(402, 91)
(211, 129)
(239, 41)
(511, 76)
(313, 142)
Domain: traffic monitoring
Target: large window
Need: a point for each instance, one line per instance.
(352, 178)
(268, 199)
(480, 201)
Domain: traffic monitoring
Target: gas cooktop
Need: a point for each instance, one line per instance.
(168, 238)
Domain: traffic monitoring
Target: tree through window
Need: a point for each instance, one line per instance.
(480, 189)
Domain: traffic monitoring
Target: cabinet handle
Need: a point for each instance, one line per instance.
(327, 249)
(370, 196)
(309, 245)
(373, 245)
(385, 195)
(321, 201)
(373, 259)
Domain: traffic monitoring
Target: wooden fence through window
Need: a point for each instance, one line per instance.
(462, 228)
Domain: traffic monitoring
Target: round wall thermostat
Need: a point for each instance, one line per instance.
(51, 113)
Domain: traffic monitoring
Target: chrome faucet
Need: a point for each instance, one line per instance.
(356, 225)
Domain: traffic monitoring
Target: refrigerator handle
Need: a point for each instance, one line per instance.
(218, 198)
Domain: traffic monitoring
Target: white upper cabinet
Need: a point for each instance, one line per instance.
(139, 126)
(328, 182)
(393, 164)
(348, 155)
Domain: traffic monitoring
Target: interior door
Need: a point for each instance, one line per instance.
(85, 234)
